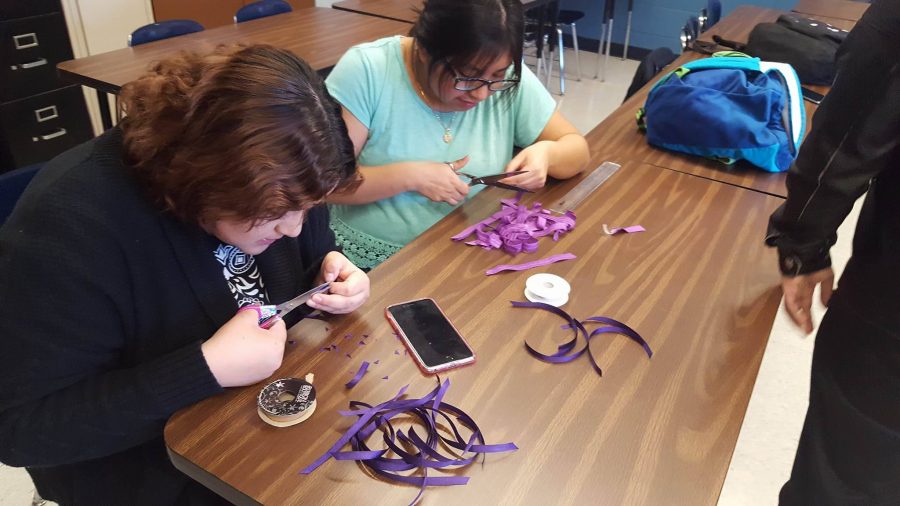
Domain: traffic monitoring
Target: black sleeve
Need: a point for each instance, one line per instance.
(855, 135)
(69, 390)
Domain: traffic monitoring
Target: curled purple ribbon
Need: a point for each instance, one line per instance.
(359, 374)
(529, 265)
(564, 351)
(412, 450)
(516, 228)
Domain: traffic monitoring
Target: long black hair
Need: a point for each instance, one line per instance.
(459, 32)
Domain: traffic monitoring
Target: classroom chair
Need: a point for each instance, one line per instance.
(163, 30)
(710, 15)
(12, 184)
(261, 9)
(650, 66)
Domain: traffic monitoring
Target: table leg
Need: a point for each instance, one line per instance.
(105, 115)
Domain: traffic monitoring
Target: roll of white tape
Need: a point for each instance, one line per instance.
(547, 288)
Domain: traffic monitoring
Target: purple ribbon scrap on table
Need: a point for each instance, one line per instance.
(359, 374)
(516, 228)
(529, 265)
(564, 352)
(431, 412)
(628, 230)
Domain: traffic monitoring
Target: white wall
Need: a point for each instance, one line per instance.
(98, 26)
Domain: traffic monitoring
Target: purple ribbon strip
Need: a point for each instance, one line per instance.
(359, 374)
(628, 230)
(516, 228)
(412, 450)
(564, 351)
(529, 265)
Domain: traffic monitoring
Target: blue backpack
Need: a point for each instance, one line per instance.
(728, 107)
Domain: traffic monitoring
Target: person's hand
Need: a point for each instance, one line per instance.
(536, 160)
(349, 285)
(439, 182)
(241, 353)
(798, 294)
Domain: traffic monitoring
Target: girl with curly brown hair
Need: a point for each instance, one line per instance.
(127, 259)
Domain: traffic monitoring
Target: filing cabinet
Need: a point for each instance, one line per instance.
(40, 115)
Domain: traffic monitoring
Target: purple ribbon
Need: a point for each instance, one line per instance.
(529, 265)
(516, 228)
(359, 374)
(628, 230)
(412, 450)
(564, 351)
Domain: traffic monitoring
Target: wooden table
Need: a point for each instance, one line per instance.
(617, 137)
(318, 35)
(399, 10)
(699, 285)
(402, 10)
(840, 9)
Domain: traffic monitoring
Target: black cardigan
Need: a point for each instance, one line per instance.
(104, 302)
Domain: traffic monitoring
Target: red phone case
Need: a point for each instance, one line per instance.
(412, 352)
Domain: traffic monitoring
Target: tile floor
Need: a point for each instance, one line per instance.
(765, 448)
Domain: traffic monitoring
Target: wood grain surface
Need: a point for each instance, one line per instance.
(402, 10)
(841, 9)
(617, 137)
(699, 285)
(318, 35)
(399, 10)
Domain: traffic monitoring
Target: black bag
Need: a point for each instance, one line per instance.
(806, 44)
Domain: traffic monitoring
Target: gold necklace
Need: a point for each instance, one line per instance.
(448, 133)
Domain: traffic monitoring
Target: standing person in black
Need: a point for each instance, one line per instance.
(126, 261)
(849, 451)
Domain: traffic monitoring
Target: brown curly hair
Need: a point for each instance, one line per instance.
(245, 132)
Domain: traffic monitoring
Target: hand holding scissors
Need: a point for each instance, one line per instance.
(268, 315)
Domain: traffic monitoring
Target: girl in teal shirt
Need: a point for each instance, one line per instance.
(454, 95)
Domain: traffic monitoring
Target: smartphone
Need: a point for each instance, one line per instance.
(433, 341)
(812, 96)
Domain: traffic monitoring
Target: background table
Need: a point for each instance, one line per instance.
(617, 137)
(841, 9)
(399, 10)
(318, 35)
(699, 285)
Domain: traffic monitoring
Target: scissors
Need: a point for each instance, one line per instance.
(268, 315)
(494, 180)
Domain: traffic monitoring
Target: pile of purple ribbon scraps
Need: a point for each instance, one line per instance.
(516, 228)
(413, 451)
(564, 351)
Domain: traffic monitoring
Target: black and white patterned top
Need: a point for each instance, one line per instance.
(242, 275)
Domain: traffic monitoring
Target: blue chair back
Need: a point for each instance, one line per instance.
(689, 32)
(710, 15)
(163, 30)
(12, 184)
(714, 11)
(261, 9)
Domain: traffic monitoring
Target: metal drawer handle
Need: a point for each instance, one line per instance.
(30, 65)
(25, 40)
(58, 133)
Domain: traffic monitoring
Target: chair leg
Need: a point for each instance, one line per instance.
(600, 51)
(609, 33)
(577, 52)
(562, 60)
(627, 37)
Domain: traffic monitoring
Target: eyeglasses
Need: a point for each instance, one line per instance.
(473, 83)
(463, 83)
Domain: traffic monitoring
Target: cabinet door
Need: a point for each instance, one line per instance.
(37, 128)
(31, 48)
(209, 13)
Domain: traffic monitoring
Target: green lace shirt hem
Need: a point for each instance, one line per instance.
(365, 251)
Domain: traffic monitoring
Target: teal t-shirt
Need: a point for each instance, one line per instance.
(371, 82)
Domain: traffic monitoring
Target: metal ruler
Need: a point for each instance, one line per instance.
(585, 187)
